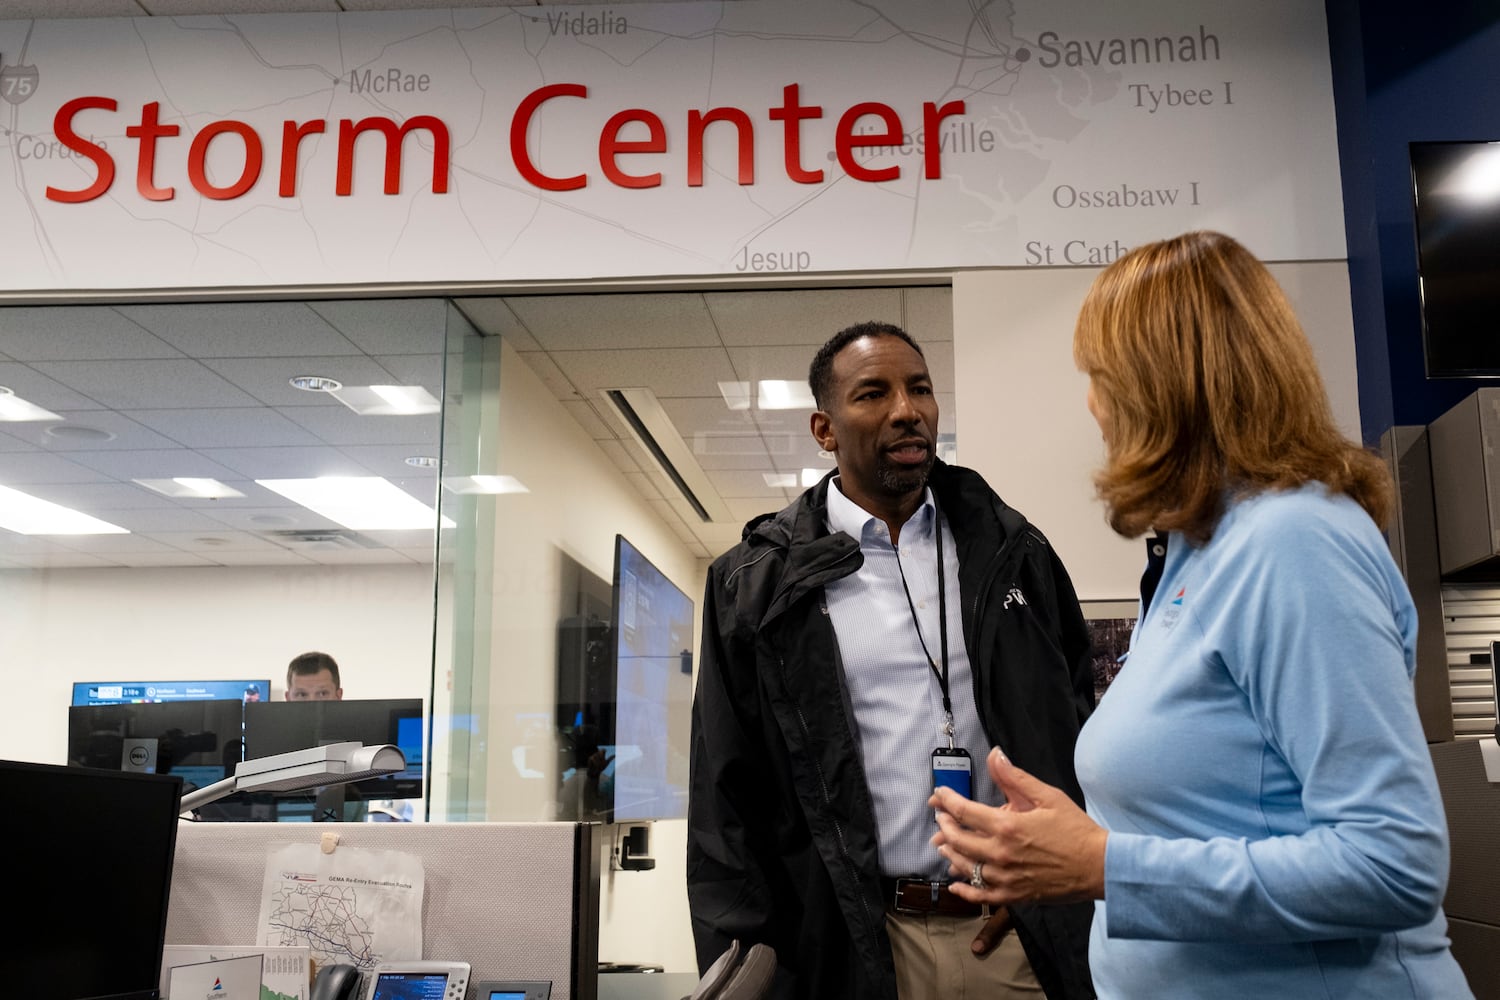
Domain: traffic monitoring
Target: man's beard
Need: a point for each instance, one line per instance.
(901, 480)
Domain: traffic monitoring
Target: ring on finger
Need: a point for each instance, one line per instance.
(976, 876)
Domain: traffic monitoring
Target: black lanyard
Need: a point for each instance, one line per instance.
(942, 676)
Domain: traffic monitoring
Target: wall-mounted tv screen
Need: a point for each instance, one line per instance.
(136, 692)
(1456, 190)
(199, 741)
(625, 692)
(283, 726)
(94, 853)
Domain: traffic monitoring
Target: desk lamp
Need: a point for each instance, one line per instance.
(334, 764)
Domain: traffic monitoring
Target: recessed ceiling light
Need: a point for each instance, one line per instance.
(811, 477)
(14, 408)
(190, 488)
(315, 383)
(361, 503)
(422, 462)
(29, 515)
(780, 480)
(484, 484)
(387, 400)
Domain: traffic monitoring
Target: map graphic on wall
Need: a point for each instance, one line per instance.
(733, 138)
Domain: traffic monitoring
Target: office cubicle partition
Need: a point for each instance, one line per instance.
(517, 901)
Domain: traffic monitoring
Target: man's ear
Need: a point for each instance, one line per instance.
(822, 431)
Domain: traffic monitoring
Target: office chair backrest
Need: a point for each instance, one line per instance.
(738, 974)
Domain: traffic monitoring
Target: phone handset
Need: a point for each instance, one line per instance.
(394, 980)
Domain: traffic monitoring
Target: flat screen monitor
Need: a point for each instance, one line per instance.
(199, 741)
(90, 882)
(133, 692)
(1456, 191)
(283, 726)
(653, 660)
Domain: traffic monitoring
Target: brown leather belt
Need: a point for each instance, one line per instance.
(917, 895)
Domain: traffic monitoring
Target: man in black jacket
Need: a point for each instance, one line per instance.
(897, 608)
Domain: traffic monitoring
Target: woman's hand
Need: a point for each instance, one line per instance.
(1038, 847)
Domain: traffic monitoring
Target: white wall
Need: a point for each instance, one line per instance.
(1021, 415)
(578, 501)
(71, 625)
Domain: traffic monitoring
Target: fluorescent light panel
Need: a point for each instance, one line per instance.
(190, 488)
(29, 515)
(360, 503)
(780, 394)
(15, 409)
(387, 400)
(484, 484)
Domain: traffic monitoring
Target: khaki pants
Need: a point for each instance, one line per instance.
(933, 960)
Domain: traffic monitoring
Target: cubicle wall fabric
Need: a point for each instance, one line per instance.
(497, 894)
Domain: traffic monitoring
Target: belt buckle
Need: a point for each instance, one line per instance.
(934, 888)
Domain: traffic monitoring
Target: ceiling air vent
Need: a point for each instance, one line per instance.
(648, 423)
(321, 539)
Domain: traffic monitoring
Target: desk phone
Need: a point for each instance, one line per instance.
(419, 981)
(514, 990)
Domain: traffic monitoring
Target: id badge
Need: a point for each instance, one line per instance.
(951, 767)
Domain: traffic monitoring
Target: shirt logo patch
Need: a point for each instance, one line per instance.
(1173, 611)
(1014, 597)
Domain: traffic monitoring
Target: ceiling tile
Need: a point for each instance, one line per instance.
(67, 333)
(622, 456)
(733, 483)
(929, 313)
(242, 329)
(389, 461)
(644, 485)
(177, 519)
(139, 385)
(685, 371)
(788, 363)
(493, 317)
(746, 509)
(261, 519)
(29, 9)
(803, 316)
(615, 322)
(425, 370)
(49, 393)
(551, 375)
(388, 326)
(207, 543)
(286, 463)
(78, 433)
(262, 557)
(62, 559)
(342, 426)
(156, 464)
(24, 468)
(163, 558)
(228, 428)
(102, 499)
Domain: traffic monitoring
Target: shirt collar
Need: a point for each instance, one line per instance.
(849, 517)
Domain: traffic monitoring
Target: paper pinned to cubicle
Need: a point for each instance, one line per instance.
(351, 906)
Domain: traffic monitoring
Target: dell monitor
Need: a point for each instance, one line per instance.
(94, 851)
(199, 741)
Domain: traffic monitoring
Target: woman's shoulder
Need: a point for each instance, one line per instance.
(1308, 520)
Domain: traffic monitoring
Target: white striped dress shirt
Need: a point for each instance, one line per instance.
(898, 704)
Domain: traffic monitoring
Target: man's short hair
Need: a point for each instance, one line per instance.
(820, 373)
(312, 663)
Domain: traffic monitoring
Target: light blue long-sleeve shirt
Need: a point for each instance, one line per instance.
(1275, 824)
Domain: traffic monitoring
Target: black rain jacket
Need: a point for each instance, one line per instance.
(781, 829)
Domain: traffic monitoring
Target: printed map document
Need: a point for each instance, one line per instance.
(351, 906)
